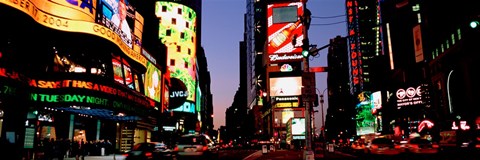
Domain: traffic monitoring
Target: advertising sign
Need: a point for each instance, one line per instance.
(365, 120)
(285, 32)
(356, 69)
(285, 86)
(153, 86)
(75, 16)
(177, 30)
(410, 96)
(298, 126)
(178, 93)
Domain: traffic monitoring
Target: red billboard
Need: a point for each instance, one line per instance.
(285, 31)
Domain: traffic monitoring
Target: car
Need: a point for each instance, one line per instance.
(358, 148)
(421, 146)
(196, 146)
(149, 150)
(384, 146)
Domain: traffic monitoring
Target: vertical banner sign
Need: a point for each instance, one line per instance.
(417, 40)
(355, 53)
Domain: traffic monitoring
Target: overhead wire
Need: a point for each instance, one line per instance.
(328, 17)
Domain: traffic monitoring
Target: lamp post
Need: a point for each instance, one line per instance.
(323, 118)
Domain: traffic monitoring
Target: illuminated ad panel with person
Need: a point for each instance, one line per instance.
(86, 17)
(177, 30)
(285, 32)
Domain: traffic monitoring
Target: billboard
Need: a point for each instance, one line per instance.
(152, 82)
(286, 86)
(411, 95)
(298, 126)
(365, 120)
(285, 31)
(81, 17)
(177, 30)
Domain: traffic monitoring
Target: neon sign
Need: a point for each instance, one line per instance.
(68, 98)
(57, 84)
(355, 53)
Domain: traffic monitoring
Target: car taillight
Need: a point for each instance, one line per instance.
(205, 148)
(175, 148)
(374, 146)
(125, 154)
(435, 145)
(148, 154)
(415, 146)
(397, 147)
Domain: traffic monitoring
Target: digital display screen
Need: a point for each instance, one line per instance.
(117, 71)
(153, 83)
(119, 16)
(285, 86)
(298, 126)
(177, 30)
(285, 14)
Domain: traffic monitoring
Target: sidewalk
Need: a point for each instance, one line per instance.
(109, 157)
(276, 155)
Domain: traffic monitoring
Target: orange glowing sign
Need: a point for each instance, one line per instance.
(72, 16)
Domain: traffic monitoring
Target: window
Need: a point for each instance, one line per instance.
(182, 35)
(186, 65)
(187, 25)
(172, 62)
(179, 11)
(164, 8)
(174, 21)
(169, 32)
(179, 48)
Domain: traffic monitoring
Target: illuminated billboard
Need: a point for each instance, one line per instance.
(177, 30)
(365, 120)
(79, 16)
(298, 126)
(284, 26)
(153, 86)
(285, 86)
(410, 96)
(119, 16)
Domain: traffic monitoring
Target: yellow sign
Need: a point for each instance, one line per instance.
(72, 25)
(286, 104)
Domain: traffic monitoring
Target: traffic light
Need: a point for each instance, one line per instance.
(305, 47)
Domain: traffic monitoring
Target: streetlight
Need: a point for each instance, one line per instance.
(321, 105)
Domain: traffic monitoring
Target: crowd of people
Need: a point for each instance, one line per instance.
(62, 148)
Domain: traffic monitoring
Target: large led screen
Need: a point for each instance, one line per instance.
(177, 30)
(365, 120)
(298, 126)
(88, 17)
(119, 16)
(284, 26)
(153, 85)
(285, 86)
